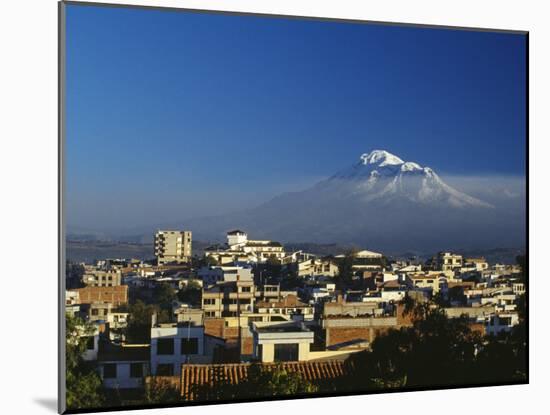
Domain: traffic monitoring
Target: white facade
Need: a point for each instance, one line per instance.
(281, 342)
(172, 345)
(123, 374)
(236, 238)
(173, 246)
(214, 274)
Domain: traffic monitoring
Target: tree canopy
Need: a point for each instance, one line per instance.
(82, 381)
(439, 351)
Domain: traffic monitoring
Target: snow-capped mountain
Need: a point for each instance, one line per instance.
(380, 202)
(380, 175)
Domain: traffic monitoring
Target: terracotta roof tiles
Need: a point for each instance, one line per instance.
(235, 373)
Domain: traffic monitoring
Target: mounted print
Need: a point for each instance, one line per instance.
(260, 207)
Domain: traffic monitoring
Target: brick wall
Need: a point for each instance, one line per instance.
(347, 334)
(115, 295)
(214, 326)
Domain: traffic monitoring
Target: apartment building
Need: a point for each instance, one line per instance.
(317, 267)
(213, 274)
(95, 277)
(241, 249)
(479, 264)
(173, 344)
(173, 246)
(290, 307)
(227, 299)
(447, 261)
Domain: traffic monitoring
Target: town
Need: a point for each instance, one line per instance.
(184, 327)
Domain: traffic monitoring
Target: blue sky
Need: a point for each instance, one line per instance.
(173, 114)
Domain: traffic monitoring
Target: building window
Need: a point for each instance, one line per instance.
(109, 371)
(95, 312)
(165, 369)
(210, 314)
(189, 346)
(286, 352)
(245, 289)
(90, 343)
(209, 301)
(136, 370)
(165, 346)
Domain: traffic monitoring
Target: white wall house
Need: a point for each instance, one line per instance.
(123, 374)
(124, 367)
(278, 342)
(175, 344)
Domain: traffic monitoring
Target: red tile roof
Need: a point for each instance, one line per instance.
(317, 372)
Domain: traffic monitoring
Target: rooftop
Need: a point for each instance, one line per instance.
(317, 372)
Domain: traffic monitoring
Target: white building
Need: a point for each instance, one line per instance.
(124, 367)
(280, 342)
(236, 238)
(447, 261)
(241, 249)
(213, 274)
(173, 246)
(174, 344)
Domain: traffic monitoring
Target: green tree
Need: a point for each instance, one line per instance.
(261, 382)
(164, 295)
(438, 351)
(140, 315)
(160, 391)
(191, 293)
(84, 389)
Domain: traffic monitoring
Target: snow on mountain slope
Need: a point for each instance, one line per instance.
(381, 175)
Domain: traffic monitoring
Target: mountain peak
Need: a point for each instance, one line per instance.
(380, 158)
(383, 177)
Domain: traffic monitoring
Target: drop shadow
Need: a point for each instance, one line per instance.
(48, 403)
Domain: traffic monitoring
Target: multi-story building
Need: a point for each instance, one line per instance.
(366, 260)
(241, 249)
(173, 246)
(116, 295)
(289, 306)
(94, 277)
(316, 267)
(214, 274)
(431, 283)
(228, 299)
(447, 261)
(173, 344)
(480, 264)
